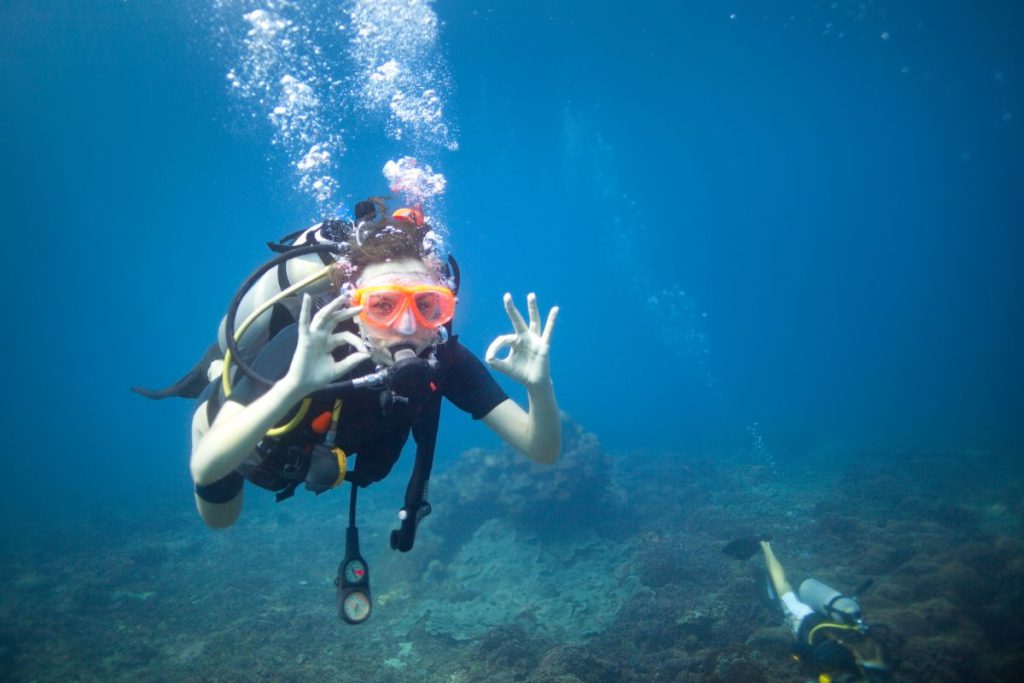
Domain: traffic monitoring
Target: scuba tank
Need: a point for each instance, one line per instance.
(829, 602)
(302, 270)
(265, 304)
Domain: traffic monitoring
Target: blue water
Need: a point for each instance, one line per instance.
(771, 228)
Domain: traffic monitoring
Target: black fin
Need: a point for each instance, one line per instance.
(279, 248)
(744, 548)
(863, 587)
(189, 386)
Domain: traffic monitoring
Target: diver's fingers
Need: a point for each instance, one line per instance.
(338, 317)
(344, 314)
(501, 365)
(334, 304)
(339, 338)
(317, 321)
(322, 318)
(518, 324)
(492, 351)
(549, 326)
(531, 305)
(307, 305)
(346, 364)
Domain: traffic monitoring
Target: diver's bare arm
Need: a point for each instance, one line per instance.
(214, 515)
(237, 429)
(537, 433)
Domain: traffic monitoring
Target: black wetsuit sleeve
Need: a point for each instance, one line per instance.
(222, 490)
(469, 384)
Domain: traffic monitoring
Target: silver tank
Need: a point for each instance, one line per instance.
(826, 600)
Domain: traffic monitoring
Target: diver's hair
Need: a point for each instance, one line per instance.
(386, 240)
(370, 208)
(380, 238)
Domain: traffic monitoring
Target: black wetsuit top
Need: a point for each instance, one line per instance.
(365, 429)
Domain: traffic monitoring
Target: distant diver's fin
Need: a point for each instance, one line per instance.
(863, 587)
(744, 548)
(189, 386)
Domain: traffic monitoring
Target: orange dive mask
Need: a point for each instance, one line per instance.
(431, 305)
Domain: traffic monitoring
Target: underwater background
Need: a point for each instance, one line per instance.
(786, 240)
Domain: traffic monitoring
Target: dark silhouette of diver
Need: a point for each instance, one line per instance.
(829, 632)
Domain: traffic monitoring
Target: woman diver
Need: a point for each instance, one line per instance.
(354, 367)
(358, 375)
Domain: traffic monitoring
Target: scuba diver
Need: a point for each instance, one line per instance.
(829, 631)
(341, 346)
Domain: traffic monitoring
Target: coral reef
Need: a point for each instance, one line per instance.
(578, 492)
(566, 591)
(593, 570)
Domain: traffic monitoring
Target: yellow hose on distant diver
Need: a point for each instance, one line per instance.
(829, 624)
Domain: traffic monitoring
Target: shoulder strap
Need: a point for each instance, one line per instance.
(424, 431)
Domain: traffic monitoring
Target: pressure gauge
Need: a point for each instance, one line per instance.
(355, 572)
(356, 607)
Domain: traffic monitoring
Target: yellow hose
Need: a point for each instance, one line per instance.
(294, 422)
(828, 624)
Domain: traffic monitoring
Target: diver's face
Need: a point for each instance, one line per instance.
(405, 329)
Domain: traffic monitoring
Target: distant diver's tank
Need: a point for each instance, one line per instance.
(826, 600)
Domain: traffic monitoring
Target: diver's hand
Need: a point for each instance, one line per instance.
(529, 346)
(312, 366)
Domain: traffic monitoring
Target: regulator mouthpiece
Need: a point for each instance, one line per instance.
(410, 376)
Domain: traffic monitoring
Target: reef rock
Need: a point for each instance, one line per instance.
(577, 492)
(567, 590)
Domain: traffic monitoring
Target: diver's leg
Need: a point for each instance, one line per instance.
(794, 610)
(215, 515)
(220, 515)
(775, 570)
